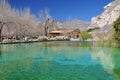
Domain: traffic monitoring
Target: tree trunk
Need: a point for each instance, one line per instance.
(46, 27)
(46, 30)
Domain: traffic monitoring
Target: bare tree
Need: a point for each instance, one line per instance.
(7, 16)
(40, 28)
(46, 18)
(27, 22)
(15, 22)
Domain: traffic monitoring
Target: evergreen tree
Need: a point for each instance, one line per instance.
(116, 27)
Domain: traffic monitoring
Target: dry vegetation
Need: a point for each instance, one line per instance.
(16, 23)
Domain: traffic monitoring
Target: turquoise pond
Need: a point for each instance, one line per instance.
(59, 61)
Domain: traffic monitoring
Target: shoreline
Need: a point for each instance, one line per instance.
(31, 42)
(44, 41)
(93, 43)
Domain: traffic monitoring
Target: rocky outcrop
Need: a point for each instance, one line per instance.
(103, 33)
(110, 14)
(105, 21)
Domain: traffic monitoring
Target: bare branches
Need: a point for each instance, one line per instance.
(44, 15)
(18, 22)
(14, 22)
(47, 20)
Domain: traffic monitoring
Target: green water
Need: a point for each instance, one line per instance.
(59, 61)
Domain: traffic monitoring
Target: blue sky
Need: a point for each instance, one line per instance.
(64, 9)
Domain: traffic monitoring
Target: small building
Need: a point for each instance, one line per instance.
(55, 33)
(74, 34)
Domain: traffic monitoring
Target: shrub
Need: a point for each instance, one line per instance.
(85, 35)
(116, 27)
(91, 29)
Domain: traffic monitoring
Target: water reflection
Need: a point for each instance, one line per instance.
(0, 54)
(109, 58)
(117, 73)
(59, 61)
(0, 51)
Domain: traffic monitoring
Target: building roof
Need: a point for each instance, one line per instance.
(56, 32)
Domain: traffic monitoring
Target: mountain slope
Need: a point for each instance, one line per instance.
(105, 21)
(77, 24)
(110, 14)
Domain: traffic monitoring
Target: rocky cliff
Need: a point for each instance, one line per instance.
(110, 14)
(105, 21)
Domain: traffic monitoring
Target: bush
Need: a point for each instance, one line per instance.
(85, 35)
(91, 29)
(116, 27)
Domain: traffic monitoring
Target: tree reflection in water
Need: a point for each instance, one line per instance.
(0, 51)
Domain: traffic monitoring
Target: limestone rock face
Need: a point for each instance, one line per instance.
(110, 14)
(105, 21)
